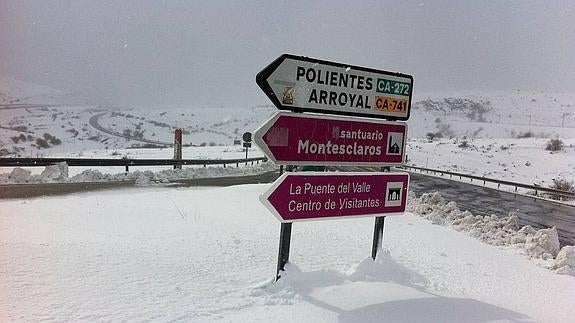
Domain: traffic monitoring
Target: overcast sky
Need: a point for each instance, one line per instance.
(207, 53)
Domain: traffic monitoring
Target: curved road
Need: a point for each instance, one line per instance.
(94, 123)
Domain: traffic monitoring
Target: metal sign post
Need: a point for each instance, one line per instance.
(285, 240)
(247, 137)
(178, 147)
(377, 236)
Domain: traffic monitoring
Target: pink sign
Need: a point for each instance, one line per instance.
(303, 139)
(316, 196)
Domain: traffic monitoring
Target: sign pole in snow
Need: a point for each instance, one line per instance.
(285, 240)
(247, 137)
(283, 253)
(378, 227)
(178, 147)
(377, 236)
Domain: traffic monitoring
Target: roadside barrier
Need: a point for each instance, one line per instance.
(535, 188)
(31, 162)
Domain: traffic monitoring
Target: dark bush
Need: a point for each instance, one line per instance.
(554, 145)
(561, 185)
(527, 134)
(41, 143)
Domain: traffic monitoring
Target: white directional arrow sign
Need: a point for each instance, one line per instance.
(305, 84)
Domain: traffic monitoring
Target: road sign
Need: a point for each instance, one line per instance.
(318, 196)
(247, 145)
(304, 139)
(247, 136)
(306, 84)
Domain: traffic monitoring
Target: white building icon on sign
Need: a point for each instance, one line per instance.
(393, 194)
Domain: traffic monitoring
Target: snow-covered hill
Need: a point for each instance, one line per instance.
(14, 91)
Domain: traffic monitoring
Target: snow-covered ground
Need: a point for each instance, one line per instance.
(520, 160)
(209, 254)
(154, 253)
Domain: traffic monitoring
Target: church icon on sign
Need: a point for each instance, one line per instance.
(394, 143)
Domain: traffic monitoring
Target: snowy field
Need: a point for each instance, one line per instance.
(517, 160)
(209, 254)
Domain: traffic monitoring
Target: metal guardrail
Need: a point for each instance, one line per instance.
(499, 182)
(31, 162)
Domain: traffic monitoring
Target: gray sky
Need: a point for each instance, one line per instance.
(207, 53)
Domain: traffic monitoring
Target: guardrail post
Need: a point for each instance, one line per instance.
(237, 165)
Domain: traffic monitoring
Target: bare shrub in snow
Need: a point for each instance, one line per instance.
(561, 184)
(41, 143)
(527, 134)
(554, 145)
(52, 139)
(463, 144)
(433, 135)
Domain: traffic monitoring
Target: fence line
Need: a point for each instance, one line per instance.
(32, 162)
(493, 180)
